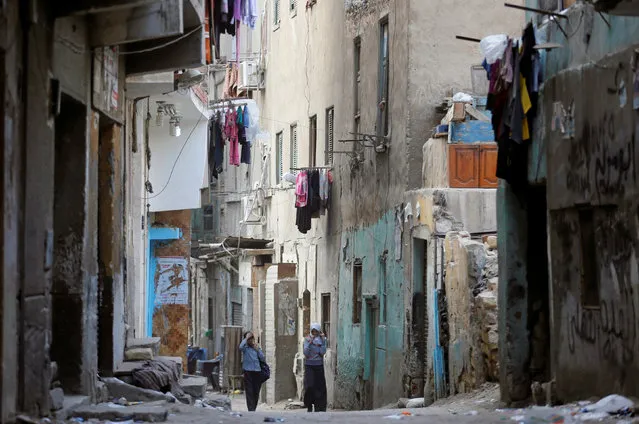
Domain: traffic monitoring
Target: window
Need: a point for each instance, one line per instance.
(357, 51)
(293, 7)
(589, 273)
(330, 135)
(312, 141)
(276, 14)
(357, 291)
(208, 217)
(383, 89)
(294, 149)
(279, 165)
(326, 313)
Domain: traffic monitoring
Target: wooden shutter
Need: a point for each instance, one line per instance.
(276, 12)
(294, 149)
(279, 165)
(236, 313)
(463, 165)
(330, 135)
(488, 166)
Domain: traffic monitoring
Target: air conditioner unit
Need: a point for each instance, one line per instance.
(249, 76)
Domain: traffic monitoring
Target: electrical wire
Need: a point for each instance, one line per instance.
(177, 158)
(150, 49)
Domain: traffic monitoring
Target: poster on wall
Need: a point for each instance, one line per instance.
(172, 281)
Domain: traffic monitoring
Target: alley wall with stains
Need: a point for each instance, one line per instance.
(594, 228)
(583, 153)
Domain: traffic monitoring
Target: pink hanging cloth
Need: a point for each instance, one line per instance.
(301, 189)
(230, 131)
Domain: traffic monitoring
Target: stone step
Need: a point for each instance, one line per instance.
(194, 385)
(104, 412)
(152, 343)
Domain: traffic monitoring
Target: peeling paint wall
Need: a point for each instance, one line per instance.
(170, 321)
(370, 353)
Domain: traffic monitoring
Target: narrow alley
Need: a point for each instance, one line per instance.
(376, 210)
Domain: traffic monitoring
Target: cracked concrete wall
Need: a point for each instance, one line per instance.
(440, 211)
(471, 308)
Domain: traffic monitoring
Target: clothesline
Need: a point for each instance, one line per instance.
(311, 168)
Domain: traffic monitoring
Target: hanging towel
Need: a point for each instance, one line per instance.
(301, 189)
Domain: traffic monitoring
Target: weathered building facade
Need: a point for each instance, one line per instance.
(63, 107)
(361, 101)
(567, 243)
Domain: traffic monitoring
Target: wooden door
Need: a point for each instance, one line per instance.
(488, 165)
(463, 165)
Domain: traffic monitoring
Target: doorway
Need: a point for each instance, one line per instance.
(370, 352)
(71, 281)
(538, 286)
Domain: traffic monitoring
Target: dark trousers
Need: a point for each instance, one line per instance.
(252, 386)
(315, 388)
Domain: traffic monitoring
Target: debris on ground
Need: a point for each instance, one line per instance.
(613, 404)
(106, 412)
(274, 420)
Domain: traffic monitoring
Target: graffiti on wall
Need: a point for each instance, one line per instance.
(171, 281)
(610, 326)
(603, 160)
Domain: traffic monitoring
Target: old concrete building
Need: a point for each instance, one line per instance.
(353, 87)
(64, 156)
(567, 242)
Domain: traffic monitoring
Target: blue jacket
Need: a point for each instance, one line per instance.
(251, 357)
(314, 350)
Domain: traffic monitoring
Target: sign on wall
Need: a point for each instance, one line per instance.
(106, 90)
(171, 281)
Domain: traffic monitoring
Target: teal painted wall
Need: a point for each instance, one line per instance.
(355, 342)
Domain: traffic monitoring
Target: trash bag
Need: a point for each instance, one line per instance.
(493, 47)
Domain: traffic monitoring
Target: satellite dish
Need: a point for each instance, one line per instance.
(190, 78)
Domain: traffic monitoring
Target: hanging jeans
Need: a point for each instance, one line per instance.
(252, 387)
(314, 388)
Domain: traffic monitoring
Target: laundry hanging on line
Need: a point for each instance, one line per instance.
(229, 128)
(513, 68)
(312, 196)
(228, 15)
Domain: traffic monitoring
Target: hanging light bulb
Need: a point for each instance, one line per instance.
(159, 117)
(174, 127)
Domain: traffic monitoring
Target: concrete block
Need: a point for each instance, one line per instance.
(103, 412)
(194, 386)
(56, 397)
(152, 343)
(219, 401)
(138, 354)
(415, 403)
(117, 389)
